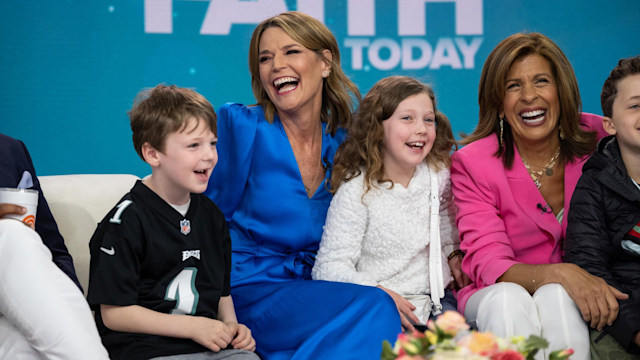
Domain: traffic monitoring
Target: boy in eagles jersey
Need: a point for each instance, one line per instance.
(160, 259)
(603, 232)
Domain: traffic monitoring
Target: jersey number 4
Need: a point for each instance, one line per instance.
(182, 289)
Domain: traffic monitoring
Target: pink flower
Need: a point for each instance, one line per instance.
(561, 354)
(450, 322)
(407, 344)
(507, 355)
(567, 352)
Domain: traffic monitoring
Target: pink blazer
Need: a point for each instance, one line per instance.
(499, 220)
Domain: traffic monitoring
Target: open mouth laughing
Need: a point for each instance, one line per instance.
(418, 145)
(285, 84)
(202, 174)
(533, 117)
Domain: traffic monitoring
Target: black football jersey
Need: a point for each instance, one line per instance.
(146, 253)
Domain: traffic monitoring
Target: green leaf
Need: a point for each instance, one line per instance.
(387, 351)
(535, 342)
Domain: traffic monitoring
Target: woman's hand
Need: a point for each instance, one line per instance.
(405, 308)
(597, 300)
(461, 279)
(9, 209)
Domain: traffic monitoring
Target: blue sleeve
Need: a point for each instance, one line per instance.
(237, 126)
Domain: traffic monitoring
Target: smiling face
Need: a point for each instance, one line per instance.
(530, 104)
(185, 164)
(625, 117)
(291, 74)
(409, 134)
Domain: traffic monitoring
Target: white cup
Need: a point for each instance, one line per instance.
(27, 198)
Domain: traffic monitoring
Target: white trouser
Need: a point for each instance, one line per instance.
(43, 314)
(507, 309)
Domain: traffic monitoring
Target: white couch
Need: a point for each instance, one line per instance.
(78, 203)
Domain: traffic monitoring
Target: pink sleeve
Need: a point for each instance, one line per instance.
(593, 122)
(482, 231)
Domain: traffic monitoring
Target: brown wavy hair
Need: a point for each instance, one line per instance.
(626, 67)
(337, 89)
(163, 110)
(363, 147)
(577, 142)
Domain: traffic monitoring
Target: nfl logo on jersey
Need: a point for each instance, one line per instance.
(185, 226)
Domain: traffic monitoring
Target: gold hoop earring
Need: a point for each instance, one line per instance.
(562, 137)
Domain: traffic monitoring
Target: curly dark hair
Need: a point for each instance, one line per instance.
(626, 67)
(363, 147)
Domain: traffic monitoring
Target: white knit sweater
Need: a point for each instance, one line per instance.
(383, 238)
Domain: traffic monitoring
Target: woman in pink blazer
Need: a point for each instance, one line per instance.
(512, 184)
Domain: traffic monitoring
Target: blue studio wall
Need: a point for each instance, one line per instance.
(71, 68)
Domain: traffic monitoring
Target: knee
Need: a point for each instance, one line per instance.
(13, 227)
(554, 296)
(505, 300)
(382, 300)
(16, 237)
(504, 296)
(383, 306)
(551, 291)
(506, 309)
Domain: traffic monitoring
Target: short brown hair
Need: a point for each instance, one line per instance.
(626, 67)
(337, 103)
(491, 93)
(363, 147)
(163, 110)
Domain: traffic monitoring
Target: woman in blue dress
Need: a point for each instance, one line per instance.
(270, 182)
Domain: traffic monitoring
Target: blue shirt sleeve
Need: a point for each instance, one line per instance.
(236, 133)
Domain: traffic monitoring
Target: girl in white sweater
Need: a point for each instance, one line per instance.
(393, 203)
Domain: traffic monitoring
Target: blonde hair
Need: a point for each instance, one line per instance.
(163, 110)
(491, 94)
(363, 147)
(337, 103)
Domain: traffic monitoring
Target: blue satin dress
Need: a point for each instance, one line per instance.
(275, 231)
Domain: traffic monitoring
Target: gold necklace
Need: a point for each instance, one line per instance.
(315, 177)
(547, 169)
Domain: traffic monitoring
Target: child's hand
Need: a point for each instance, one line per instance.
(210, 333)
(242, 337)
(405, 308)
(461, 279)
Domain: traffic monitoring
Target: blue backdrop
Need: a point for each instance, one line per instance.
(70, 69)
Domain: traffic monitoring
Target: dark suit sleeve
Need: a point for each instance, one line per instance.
(19, 162)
